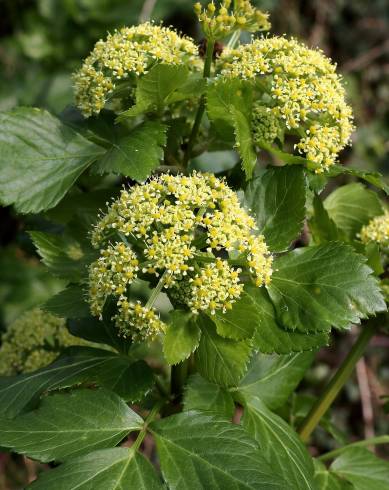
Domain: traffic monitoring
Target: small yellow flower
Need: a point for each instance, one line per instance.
(377, 230)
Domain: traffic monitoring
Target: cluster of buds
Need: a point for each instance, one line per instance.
(188, 234)
(219, 22)
(377, 230)
(33, 341)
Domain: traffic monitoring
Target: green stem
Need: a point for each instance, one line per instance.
(201, 108)
(156, 290)
(151, 416)
(335, 385)
(178, 377)
(373, 441)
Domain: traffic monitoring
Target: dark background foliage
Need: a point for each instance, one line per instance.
(43, 41)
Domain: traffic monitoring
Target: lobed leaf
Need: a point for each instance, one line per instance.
(199, 450)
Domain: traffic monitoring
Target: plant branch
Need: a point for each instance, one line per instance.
(366, 442)
(201, 108)
(151, 416)
(336, 384)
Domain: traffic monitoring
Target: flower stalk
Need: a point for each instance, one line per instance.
(336, 384)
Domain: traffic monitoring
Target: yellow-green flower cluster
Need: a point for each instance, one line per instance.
(219, 22)
(301, 88)
(377, 230)
(126, 54)
(190, 234)
(266, 125)
(33, 341)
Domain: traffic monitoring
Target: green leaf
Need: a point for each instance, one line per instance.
(352, 206)
(277, 198)
(182, 337)
(269, 335)
(68, 303)
(221, 361)
(244, 141)
(280, 445)
(363, 469)
(63, 256)
(76, 365)
(41, 158)
(322, 227)
(274, 378)
(156, 87)
(116, 468)
(100, 331)
(318, 287)
(374, 178)
(136, 155)
(200, 394)
(202, 451)
(326, 480)
(239, 323)
(70, 424)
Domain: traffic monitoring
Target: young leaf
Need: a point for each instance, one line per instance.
(277, 198)
(273, 379)
(362, 469)
(64, 257)
(256, 311)
(137, 154)
(115, 468)
(68, 303)
(76, 365)
(222, 361)
(374, 178)
(182, 337)
(156, 87)
(352, 206)
(41, 158)
(200, 394)
(199, 450)
(280, 445)
(239, 323)
(244, 141)
(67, 425)
(318, 287)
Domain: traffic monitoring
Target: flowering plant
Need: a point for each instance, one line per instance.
(190, 285)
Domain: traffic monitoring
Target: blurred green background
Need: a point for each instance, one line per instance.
(43, 41)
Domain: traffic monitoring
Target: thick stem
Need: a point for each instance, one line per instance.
(179, 374)
(335, 385)
(201, 107)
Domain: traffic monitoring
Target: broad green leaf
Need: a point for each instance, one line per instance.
(156, 87)
(352, 206)
(280, 445)
(201, 451)
(76, 365)
(277, 199)
(200, 394)
(318, 287)
(326, 480)
(244, 142)
(70, 424)
(41, 158)
(239, 323)
(137, 154)
(106, 469)
(68, 303)
(323, 229)
(63, 256)
(273, 379)
(221, 361)
(363, 469)
(182, 337)
(258, 311)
